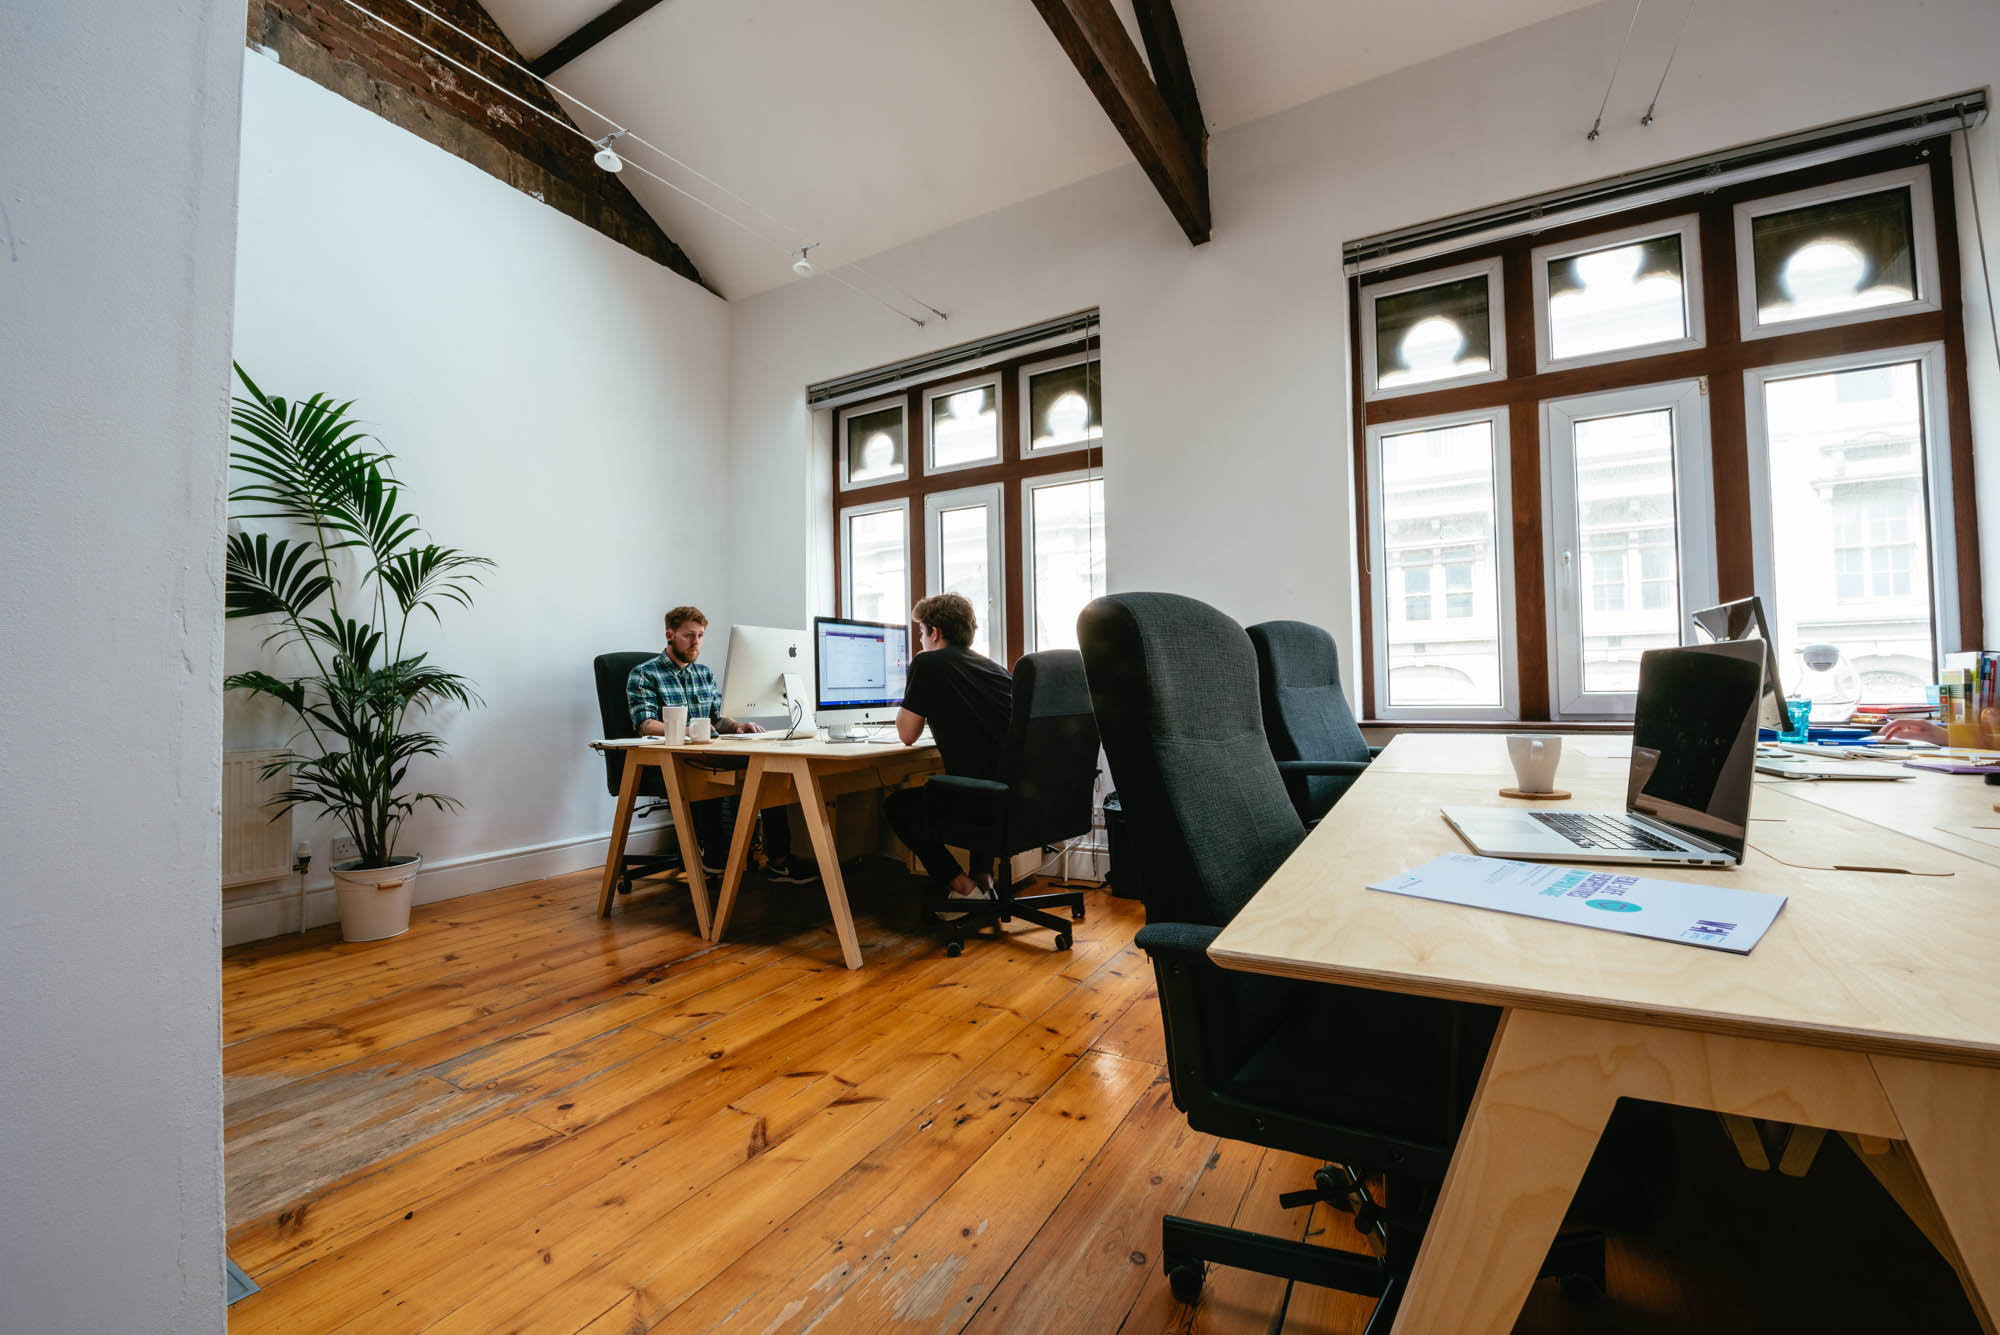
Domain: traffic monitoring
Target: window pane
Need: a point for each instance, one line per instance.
(1433, 333)
(1850, 536)
(1619, 297)
(1625, 521)
(964, 565)
(1064, 407)
(879, 564)
(1437, 489)
(1828, 258)
(1067, 521)
(875, 446)
(965, 427)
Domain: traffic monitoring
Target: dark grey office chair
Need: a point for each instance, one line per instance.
(1041, 796)
(1318, 746)
(1370, 1081)
(615, 715)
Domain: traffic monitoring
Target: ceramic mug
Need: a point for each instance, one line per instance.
(700, 729)
(1535, 756)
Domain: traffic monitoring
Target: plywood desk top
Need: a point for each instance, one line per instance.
(813, 748)
(1871, 962)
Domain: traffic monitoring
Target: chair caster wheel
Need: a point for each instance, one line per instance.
(625, 886)
(1184, 1279)
(954, 948)
(1580, 1289)
(1062, 941)
(1076, 914)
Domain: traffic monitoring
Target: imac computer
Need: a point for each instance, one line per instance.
(769, 677)
(860, 668)
(1744, 620)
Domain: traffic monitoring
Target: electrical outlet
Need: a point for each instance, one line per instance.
(344, 849)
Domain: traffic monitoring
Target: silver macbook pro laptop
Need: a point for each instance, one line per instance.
(1687, 794)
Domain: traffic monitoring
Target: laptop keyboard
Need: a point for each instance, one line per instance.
(1596, 830)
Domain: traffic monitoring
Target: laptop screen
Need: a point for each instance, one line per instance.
(1694, 739)
(1744, 620)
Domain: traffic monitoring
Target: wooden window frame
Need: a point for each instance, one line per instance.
(1723, 363)
(1450, 271)
(1016, 465)
(1939, 476)
(1693, 526)
(1687, 227)
(840, 461)
(1508, 708)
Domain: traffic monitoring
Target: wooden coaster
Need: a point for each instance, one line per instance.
(1555, 795)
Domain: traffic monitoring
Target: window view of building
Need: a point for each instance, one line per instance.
(1849, 531)
(1438, 510)
(1625, 521)
(1801, 458)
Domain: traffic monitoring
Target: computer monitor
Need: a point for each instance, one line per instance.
(769, 677)
(1744, 620)
(860, 668)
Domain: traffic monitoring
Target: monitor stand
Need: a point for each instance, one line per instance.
(846, 732)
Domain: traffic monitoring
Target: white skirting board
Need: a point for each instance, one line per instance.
(271, 908)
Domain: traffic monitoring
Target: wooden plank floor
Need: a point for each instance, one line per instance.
(519, 1117)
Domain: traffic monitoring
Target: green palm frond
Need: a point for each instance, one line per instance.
(310, 466)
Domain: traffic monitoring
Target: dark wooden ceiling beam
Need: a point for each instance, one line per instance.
(1161, 32)
(1102, 51)
(589, 35)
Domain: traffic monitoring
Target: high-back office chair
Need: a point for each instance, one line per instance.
(1041, 796)
(616, 717)
(1371, 1081)
(1318, 746)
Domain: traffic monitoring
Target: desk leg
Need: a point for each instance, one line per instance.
(812, 805)
(621, 826)
(739, 846)
(1951, 1119)
(1500, 1207)
(1548, 1088)
(690, 846)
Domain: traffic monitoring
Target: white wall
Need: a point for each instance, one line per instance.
(1228, 443)
(555, 402)
(117, 198)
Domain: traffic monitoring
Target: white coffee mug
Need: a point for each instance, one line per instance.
(699, 729)
(675, 717)
(1535, 756)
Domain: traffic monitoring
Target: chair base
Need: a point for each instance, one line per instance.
(983, 913)
(1188, 1246)
(636, 865)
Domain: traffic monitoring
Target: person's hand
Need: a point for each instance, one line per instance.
(1911, 730)
(749, 727)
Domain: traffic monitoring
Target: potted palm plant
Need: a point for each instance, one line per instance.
(340, 589)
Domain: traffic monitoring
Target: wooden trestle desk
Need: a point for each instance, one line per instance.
(760, 774)
(1871, 1007)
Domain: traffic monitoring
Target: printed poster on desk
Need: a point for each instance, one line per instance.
(1713, 916)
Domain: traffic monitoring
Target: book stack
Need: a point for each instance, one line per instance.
(1969, 699)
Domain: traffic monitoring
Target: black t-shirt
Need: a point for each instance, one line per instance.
(966, 698)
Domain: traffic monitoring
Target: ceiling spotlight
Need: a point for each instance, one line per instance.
(802, 265)
(607, 156)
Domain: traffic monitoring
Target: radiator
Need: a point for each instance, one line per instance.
(254, 847)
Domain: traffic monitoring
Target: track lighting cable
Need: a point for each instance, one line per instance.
(638, 138)
(1596, 125)
(1647, 119)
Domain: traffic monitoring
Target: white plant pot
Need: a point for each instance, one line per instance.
(375, 901)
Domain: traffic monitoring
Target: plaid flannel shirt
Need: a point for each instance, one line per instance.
(660, 683)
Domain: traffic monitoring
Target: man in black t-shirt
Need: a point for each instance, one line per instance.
(966, 698)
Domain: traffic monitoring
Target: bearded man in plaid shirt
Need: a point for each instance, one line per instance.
(677, 679)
